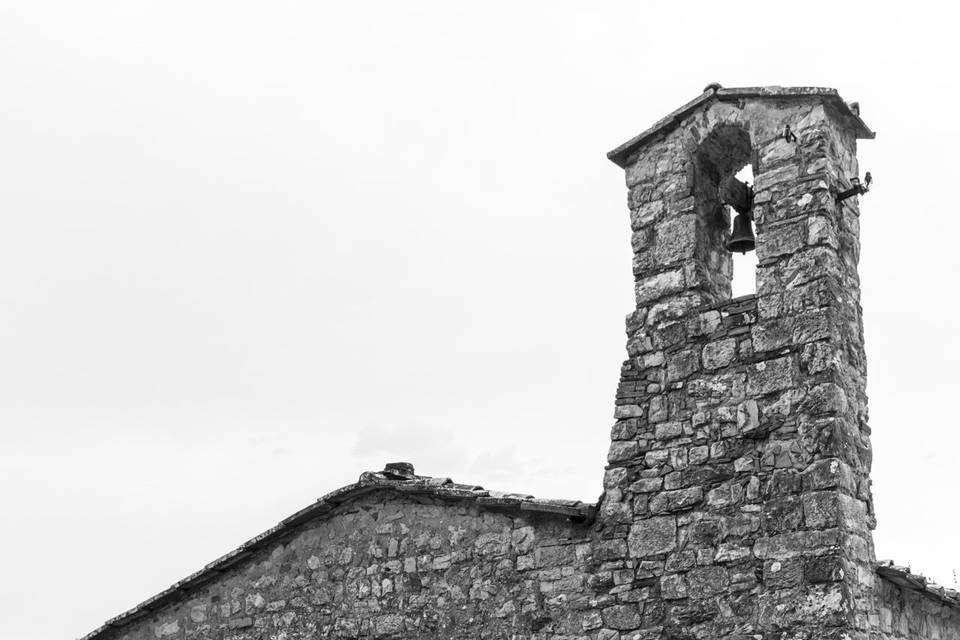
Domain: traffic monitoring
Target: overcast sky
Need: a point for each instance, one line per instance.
(250, 250)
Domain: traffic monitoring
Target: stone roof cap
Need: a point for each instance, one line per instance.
(904, 577)
(398, 477)
(714, 92)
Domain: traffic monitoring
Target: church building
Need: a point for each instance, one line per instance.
(736, 500)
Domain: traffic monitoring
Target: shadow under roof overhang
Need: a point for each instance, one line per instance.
(714, 93)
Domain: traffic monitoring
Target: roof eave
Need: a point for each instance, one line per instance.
(621, 155)
(440, 488)
(905, 578)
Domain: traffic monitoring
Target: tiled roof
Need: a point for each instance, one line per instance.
(904, 577)
(396, 477)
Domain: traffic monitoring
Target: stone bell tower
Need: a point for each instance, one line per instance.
(739, 464)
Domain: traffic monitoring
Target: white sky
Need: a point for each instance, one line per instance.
(249, 250)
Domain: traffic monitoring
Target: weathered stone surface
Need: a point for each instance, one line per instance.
(719, 354)
(627, 411)
(682, 364)
(675, 239)
(748, 416)
(659, 285)
(784, 239)
(769, 376)
(777, 151)
(782, 514)
(769, 179)
(676, 500)
(622, 617)
(829, 473)
(707, 581)
(790, 330)
(783, 574)
(622, 451)
(673, 587)
(652, 536)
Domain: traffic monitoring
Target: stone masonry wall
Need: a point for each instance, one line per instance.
(738, 467)
(904, 614)
(393, 566)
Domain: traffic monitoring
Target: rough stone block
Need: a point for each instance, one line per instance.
(388, 624)
(796, 543)
(769, 376)
(667, 431)
(819, 357)
(641, 240)
(781, 240)
(677, 500)
(822, 230)
(799, 269)
(748, 416)
(828, 474)
(704, 323)
(784, 482)
(777, 151)
(647, 485)
(673, 587)
(719, 354)
(827, 398)
(723, 496)
(652, 536)
(623, 429)
(698, 454)
(657, 286)
(622, 411)
(707, 582)
(827, 509)
(783, 574)
(659, 409)
(739, 525)
(768, 179)
(682, 364)
(732, 552)
(642, 170)
(676, 239)
(656, 458)
(680, 561)
(614, 477)
(669, 334)
(645, 214)
(823, 569)
(744, 463)
(622, 617)
(781, 332)
(782, 514)
(622, 451)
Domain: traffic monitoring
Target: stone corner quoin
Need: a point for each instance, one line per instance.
(736, 497)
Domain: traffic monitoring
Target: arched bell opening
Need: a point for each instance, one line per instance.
(723, 179)
(744, 280)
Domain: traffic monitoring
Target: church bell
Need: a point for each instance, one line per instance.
(742, 238)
